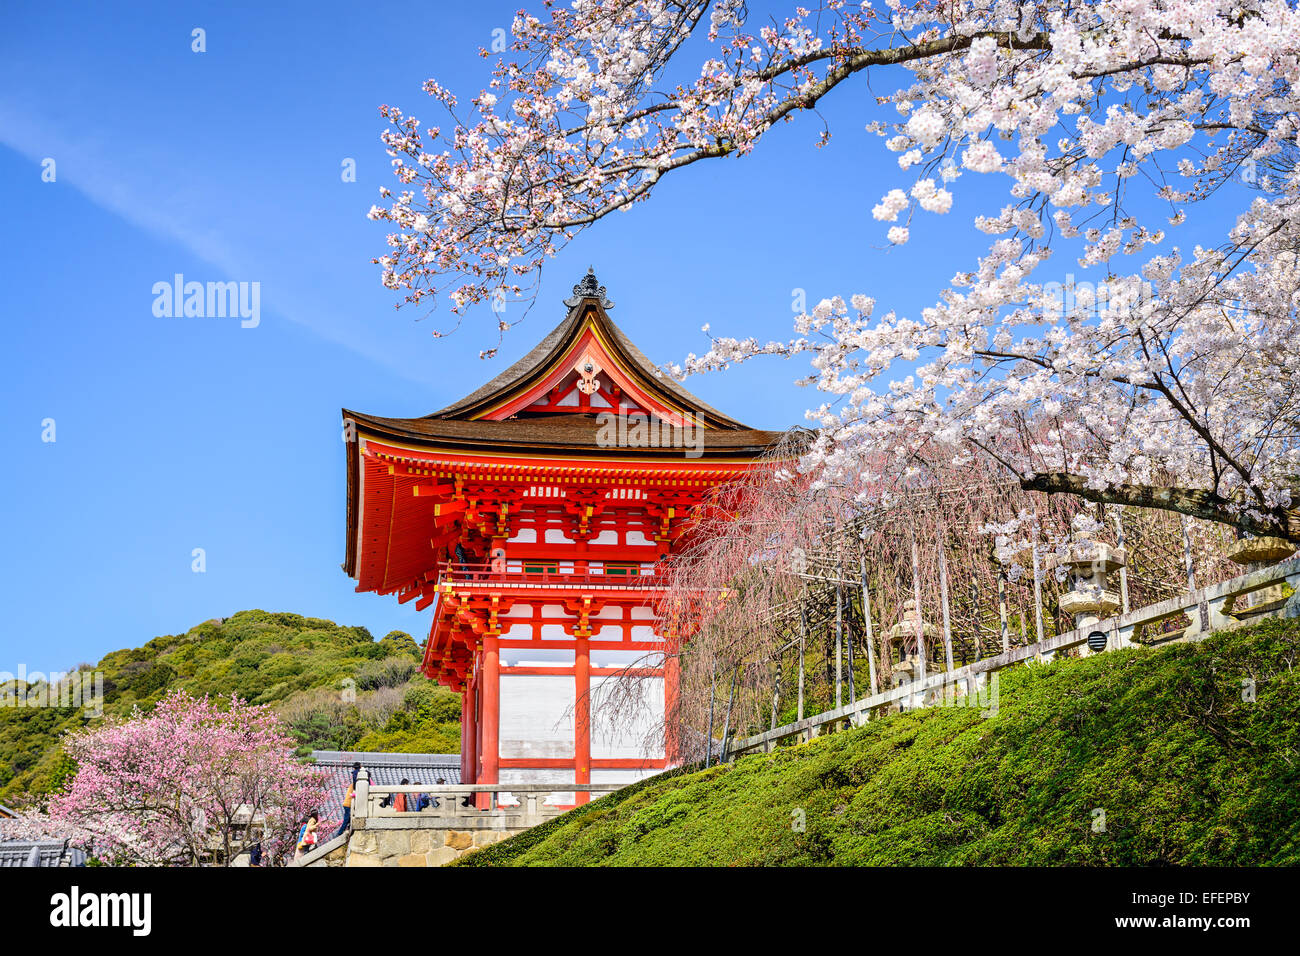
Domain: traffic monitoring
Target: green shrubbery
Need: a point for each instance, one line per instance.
(389, 672)
(428, 721)
(1132, 757)
(298, 664)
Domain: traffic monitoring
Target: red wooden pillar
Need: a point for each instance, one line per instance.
(478, 727)
(672, 679)
(582, 717)
(468, 733)
(490, 715)
(464, 734)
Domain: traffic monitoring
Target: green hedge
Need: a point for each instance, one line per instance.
(1130, 757)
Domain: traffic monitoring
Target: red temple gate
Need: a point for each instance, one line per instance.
(532, 515)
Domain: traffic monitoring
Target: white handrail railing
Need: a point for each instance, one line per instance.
(506, 803)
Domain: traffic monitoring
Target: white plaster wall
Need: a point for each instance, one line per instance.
(537, 656)
(610, 657)
(536, 716)
(632, 731)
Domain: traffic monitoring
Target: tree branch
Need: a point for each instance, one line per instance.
(1194, 502)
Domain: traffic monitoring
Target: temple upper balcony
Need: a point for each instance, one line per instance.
(523, 576)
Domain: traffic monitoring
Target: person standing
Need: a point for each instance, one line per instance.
(348, 798)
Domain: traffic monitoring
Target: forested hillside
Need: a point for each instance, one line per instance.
(336, 686)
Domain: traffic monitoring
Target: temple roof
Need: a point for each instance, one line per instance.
(588, 305)
(492, 413)
(558, 433)
(585, 404)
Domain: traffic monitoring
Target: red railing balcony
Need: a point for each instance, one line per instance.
(544, 575)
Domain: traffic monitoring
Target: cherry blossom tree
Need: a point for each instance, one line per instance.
(1168, 384)
(192, 781)
(773, 575)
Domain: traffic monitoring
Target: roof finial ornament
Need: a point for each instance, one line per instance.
(589, 288)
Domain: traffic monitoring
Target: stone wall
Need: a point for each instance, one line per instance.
(462, 818)
(404, 847)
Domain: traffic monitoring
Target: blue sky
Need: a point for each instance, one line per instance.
(181, 433)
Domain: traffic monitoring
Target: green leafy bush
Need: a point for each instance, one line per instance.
(389, 672)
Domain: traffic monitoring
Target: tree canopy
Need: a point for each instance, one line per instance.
(1167, 383)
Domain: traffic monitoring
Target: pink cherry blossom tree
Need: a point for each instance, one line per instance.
(193, 781)
(1168, 384)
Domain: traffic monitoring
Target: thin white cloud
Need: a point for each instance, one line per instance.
(133, 186)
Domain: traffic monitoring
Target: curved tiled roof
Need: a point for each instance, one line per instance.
(385, 769)
(577, 432)
(465, 422)
(558, 340)
(503, 420)
(47, 853)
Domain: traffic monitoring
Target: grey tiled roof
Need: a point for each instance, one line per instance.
(384, 769)
(50, 852)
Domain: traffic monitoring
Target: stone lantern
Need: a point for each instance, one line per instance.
(1090, 598)
(906, 670)
(1255, 554)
